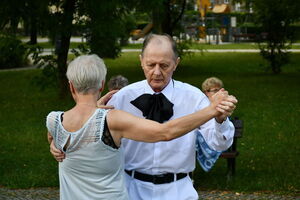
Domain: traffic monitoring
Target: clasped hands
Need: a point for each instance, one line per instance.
(224, 103)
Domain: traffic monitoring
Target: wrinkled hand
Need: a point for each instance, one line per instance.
(101, 103)
(218, 97)
(57, 154)
(226, 108)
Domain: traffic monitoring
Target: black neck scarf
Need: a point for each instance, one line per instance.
(155, 107)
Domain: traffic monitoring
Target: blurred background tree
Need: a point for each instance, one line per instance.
(275, 19)
(107, 25)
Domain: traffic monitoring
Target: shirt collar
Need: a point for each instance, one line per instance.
(167, 91)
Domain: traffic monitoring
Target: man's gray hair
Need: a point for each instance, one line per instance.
(86, 73)
(152, 36)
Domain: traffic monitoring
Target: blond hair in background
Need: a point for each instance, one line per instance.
(212, 82)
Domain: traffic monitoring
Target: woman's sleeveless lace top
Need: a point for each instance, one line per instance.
(91, 169)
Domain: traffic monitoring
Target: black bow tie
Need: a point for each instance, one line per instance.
(156, 107)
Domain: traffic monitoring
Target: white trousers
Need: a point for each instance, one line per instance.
(178, 190)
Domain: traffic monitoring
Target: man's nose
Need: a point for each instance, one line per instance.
(157, 70)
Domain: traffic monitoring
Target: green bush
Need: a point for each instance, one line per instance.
(13, 53)
(296, 32)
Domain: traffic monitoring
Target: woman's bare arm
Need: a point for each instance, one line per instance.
(122, 124)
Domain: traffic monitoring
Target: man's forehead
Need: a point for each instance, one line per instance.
(158, 54)
(150, 59)
(159, 47)
(159, 40)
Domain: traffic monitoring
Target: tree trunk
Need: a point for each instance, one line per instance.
(33, 29)
(166, 21)
(174, 23)
(62, 46)
(161, 18)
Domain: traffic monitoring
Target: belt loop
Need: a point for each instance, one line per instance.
(175, 177)
(132, 174)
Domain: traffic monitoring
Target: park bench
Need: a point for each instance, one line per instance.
(244, 37)
(232, 152)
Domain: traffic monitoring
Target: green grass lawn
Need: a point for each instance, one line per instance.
(242, 45)
(269, 105)
(48, 45)
(193, 46)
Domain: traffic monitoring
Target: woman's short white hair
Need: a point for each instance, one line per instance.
(86, 73)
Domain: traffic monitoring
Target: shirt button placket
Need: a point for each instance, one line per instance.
(156, 157)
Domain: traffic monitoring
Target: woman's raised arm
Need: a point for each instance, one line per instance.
(122, 124)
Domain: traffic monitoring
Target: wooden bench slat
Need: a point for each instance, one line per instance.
(229, 154)
(232, 152)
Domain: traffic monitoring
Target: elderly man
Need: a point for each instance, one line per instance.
(160, 171)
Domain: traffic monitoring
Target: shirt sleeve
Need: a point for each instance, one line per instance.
(114, 101)
(219, 136)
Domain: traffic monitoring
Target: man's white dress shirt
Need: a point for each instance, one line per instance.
(176, 156)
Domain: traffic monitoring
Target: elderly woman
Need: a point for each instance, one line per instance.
(91, 137)
(211, 86)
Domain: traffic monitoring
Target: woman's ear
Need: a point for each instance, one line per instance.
(102, 86)
(72, 89)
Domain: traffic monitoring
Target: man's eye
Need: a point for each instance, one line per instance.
(164, 66)
(151, 65)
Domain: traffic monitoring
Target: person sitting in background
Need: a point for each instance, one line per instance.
(211, 86)
(207, 156)
(117, 82)
(114, 84)
(90, 137)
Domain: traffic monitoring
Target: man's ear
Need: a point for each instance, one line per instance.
(177, 62)
(141, 60)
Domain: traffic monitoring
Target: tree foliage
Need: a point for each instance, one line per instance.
(164, 14)
(31, 13)
(13, 52)
(11, 12)
(105, 24)
(275, 18)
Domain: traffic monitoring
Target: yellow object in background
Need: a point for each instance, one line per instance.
(202, 32)
(203, 6)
